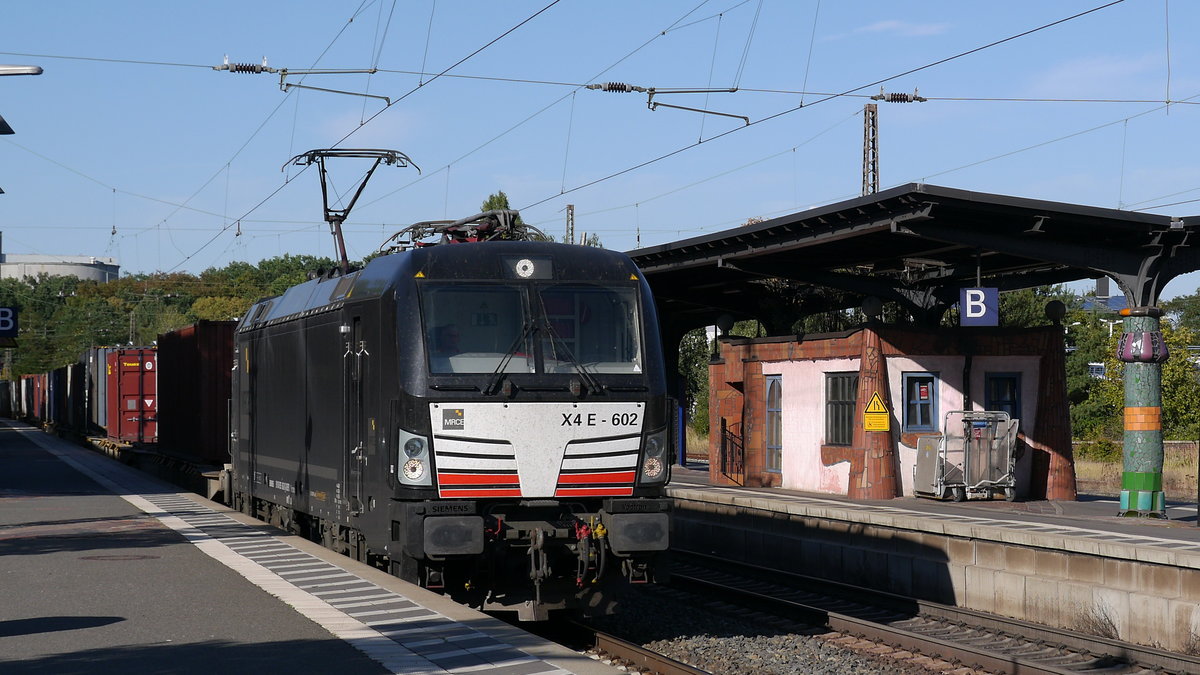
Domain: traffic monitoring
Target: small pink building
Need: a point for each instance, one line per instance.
(794, 414)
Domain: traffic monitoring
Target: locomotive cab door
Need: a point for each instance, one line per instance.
(355, 362)
(241, 437)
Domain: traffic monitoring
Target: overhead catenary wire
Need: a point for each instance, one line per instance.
(1167, 42)
(1050, 141)
(428, 38)
(389, 105)
(812, 40)
(557, 83)
(742, 167)
(228, 216)
(677, 151)
(712, 65)
(746, 50)
(788, 111)
(546, 107)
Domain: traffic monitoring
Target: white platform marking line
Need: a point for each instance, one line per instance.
(375, 645)
(341, 602)
(259, 556)
(325, 584)
(972, 519)
(369, 641)
(388, 614)
(293, 579)
(395, 615)
(335, 591)
(365, 639)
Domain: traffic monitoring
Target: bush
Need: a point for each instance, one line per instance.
(1102, 450)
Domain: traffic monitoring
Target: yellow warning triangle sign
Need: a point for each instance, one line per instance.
(876, 405)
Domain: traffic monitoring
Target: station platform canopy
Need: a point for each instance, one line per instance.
(916, 245)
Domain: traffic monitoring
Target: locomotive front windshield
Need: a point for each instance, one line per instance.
(542, 328)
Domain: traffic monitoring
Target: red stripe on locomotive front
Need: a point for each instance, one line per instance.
(499, 492)
(594, 492)
(610, 477)
(479, 479)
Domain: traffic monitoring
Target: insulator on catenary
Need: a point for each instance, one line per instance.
(619, 87)
(898, 97)
(246, 68)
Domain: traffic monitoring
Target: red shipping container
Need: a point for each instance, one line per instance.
(194, 365)
(133, 395)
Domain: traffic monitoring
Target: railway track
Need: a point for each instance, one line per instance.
(637, 658)
(984, 641)
(629, 656)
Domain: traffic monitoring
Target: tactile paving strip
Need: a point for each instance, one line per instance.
(402, 635)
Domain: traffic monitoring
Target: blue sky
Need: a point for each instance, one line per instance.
(176, 158)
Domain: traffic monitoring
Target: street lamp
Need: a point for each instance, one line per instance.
(5, 129)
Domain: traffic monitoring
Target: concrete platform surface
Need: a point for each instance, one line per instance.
(105, 569)
(1090, 525)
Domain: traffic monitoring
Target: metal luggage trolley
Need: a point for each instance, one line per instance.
(974, 457)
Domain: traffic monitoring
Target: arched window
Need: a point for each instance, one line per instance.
(774, 458)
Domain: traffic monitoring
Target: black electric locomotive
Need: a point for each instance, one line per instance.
(488, 419)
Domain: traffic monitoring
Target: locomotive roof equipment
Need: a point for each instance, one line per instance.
(335, 217)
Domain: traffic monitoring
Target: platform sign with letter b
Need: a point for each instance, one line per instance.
(979, 307)
(8, 322)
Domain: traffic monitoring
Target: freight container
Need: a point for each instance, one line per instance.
(133, 395)
(195, 364)
(95, 361)
(57, 397)
(77, 397)
(33, 396)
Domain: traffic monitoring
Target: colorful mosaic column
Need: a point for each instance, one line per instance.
(1143, 351)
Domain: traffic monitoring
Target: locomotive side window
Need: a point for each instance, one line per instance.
(471, 328)
(596, 324)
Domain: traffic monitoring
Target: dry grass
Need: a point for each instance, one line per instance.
(697, 445)
(1179, 473)
(1095, 620)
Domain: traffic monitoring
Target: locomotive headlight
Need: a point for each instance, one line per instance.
(654, 446)
(415, 462)
(413, 470)
(654, 459)
(652, 468)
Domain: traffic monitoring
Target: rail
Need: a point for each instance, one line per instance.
(994, 643)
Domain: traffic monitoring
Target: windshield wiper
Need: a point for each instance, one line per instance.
(559, 343)
(498, 374)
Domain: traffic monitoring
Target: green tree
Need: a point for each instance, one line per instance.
(1184, 311)
(1026, 308)
(694, 355)
(220, 307)
(497, 201)
(282, 272)
(1090, 339)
